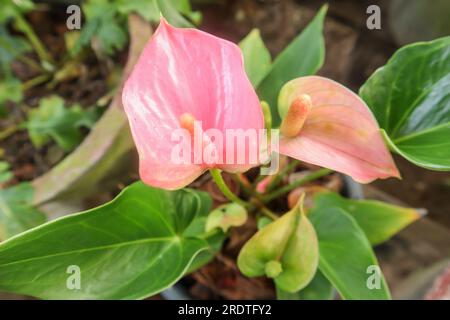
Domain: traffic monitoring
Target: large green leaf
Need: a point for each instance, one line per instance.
(346, 255)
(410, 97)
(257, 58)
(303, 56)
(16, 212)
(379, 220)
(132, 247)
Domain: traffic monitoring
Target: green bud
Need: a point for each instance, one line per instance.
(273, 269)
(286, 250)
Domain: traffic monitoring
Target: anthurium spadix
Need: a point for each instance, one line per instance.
(186, 91)
(326, 124)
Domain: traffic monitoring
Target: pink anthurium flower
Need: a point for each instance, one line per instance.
(188, 79)
(328, 125)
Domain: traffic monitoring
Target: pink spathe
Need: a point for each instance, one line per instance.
(186, 72)
(339, 133)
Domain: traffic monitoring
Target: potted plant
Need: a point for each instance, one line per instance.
(187, 94)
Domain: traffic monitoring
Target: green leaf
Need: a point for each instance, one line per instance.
(10, 90)
(174, 11)
(346, 255)
(148, 9)
(318, 289)
(11, 9)
(170, 11)
(304, 56)
(112, 37)
(52, 120)
(16, 212)
(103, 23)
(130, 248)
(10, 48)
(5, 174)
(410, 97)
(285, 250)
(184, 7)
(379, 221)
(257, 58)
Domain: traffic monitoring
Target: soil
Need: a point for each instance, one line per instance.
(93, 77)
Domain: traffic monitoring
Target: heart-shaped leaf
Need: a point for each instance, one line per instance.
(346, 256)
(133, 247)
(303, 56)
(379, 220)
(410, 98)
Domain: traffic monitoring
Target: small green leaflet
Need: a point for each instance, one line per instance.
(52, 120)
(5, 174)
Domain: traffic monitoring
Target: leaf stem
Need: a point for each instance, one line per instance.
(218, 179)
(286, 170)
(268, 213)
(257, 205)
(35, 81)
(310, 177)
(23, 26)
(30, 62)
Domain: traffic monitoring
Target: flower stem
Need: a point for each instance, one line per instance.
(286, 170)
(310, 177)
(268, 213)
(218, 179)
(30, 62)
